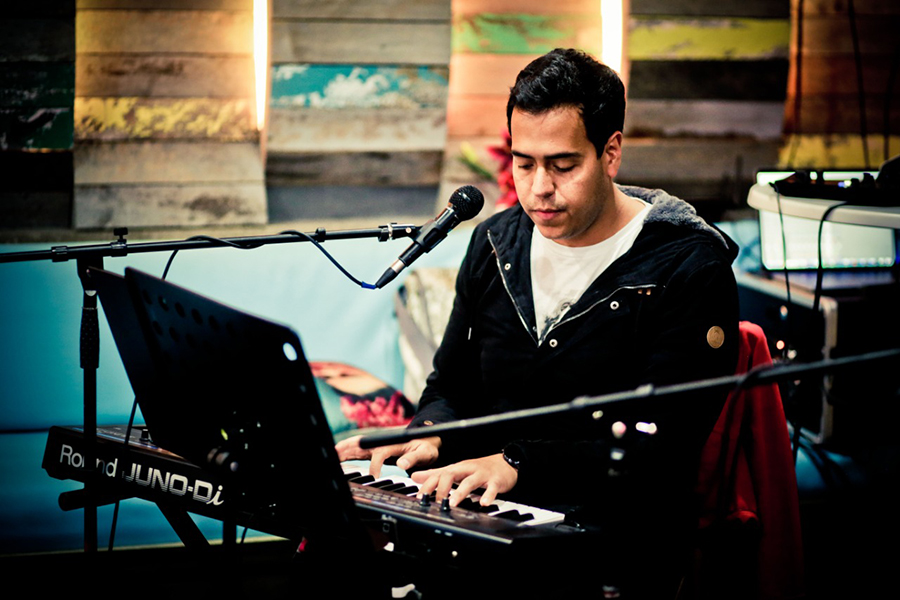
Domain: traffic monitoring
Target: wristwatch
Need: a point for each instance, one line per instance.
(514, 456)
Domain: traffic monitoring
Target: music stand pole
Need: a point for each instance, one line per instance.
(89, 356)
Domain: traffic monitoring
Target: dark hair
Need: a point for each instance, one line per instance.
(566, 77)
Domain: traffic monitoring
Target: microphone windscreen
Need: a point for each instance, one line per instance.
(467, 201)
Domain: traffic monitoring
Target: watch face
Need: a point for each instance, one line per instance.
(511, 456)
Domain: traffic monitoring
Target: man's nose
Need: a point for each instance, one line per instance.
(542, 185)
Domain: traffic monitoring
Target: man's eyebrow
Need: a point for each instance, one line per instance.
(557, 156)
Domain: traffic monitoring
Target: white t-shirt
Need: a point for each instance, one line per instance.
(561, 274)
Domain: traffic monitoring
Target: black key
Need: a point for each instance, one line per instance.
(410, 489)
(474, 506)
(514, 515)
(394, 487)
(350, 476)
(381, 483)
(362, 479)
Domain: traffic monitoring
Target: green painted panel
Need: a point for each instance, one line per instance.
(357, 86)
(522, 34)
(37, 84)
(655, 38)
(36, 128)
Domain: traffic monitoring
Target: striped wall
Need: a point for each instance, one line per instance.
(359, 92)
(37, 87)
(823, 114)
(706, 94)
(165, 124)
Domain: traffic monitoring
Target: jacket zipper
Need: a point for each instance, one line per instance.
(509, 293)
(567, 318)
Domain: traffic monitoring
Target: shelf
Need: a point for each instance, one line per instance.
(763, 197)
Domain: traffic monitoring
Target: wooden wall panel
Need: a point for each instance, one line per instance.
(37, 39)
(356, 130)
(37, 81)
(723, 8)
(356, 86)
(525, 33)
(156, 161)
(707, 38)
(738, 80)
(352, 42)
(163, 76)
(165, 118)
(243, 5)
(111, 118)
(168, 205)
(413, 168)
(681, 118)
(358, 83)
(164, 31)
(834, 121)
(370, 10)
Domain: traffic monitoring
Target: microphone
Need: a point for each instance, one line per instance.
(465, 203)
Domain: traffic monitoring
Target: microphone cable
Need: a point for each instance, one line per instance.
(252, 246)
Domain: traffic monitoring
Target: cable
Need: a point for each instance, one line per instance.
(787, 279)
(251, 246)
(790, 389)
(362, 284)
(819, 267)
(860, 92)
(115, 518)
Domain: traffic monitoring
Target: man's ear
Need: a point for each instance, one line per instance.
(612, 154)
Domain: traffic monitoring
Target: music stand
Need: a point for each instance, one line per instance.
(234, 394)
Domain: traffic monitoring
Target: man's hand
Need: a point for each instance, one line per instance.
(423, 451)
(492, 473)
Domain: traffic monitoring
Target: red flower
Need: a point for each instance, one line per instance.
(503, 154)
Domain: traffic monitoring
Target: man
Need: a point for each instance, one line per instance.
(585, 288)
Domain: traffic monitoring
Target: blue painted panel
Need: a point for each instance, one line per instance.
(355, 86)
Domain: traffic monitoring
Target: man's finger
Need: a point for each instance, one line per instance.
(378, 457)
(349, 449)
(466, 487)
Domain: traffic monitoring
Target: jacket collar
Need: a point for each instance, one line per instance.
(665, 208)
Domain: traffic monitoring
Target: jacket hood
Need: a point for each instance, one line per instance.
(666, 208)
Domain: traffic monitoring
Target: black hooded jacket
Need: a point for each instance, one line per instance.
(665, 312)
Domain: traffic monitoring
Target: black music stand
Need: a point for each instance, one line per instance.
(233, 394)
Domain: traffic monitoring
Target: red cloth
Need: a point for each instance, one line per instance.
(748, 458)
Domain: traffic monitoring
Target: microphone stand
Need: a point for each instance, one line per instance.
(91, 256)
(644, 398)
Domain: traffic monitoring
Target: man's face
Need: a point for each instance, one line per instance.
(562, 184)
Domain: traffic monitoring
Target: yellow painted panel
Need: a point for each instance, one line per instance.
(654, 38)
(149, 118)
(834, 151)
